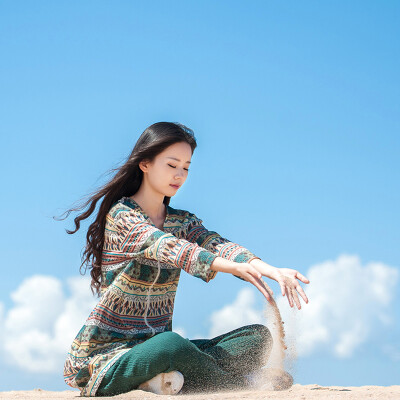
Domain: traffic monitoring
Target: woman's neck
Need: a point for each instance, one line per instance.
(152, 204)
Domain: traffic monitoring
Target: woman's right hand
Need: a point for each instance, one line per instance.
(286, 277)
(252, 275)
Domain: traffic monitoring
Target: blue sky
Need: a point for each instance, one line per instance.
(295, 107)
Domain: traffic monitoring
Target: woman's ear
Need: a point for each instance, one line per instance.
(143, 165)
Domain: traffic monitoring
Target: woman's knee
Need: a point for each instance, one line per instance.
(174, 344)
(262, 332)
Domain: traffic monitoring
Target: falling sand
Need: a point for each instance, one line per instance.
(274, 371)
(275, 325)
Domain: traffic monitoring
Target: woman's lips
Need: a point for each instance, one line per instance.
(174, 186)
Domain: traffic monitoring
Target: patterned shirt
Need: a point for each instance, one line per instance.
(139, 259)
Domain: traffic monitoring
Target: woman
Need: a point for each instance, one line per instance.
(137, 246)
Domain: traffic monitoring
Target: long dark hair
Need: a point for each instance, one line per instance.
(126, 182)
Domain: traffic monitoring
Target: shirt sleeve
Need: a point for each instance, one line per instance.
(139, 238)
(215, 243)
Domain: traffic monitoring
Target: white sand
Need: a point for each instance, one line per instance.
(300, 392)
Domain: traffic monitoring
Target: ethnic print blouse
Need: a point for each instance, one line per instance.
(139, 259)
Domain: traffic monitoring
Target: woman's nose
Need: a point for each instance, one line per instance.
(179, 174)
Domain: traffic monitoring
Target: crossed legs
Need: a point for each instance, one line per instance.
(206, 364)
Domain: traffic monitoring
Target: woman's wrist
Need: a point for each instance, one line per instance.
(223, 265)
(267, 270)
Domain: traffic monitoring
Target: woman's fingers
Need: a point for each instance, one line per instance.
(263, 291)
(266, 287)
(292, 295)
(302, 294)
(282, 285)
(289, 297)
(289, 287)
(296, 299)
(302, 277)
(262, 287)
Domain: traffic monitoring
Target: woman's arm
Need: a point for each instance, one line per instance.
(256, 269)
(245, 272)
(240, 262)
(138, 239)
(215, 243)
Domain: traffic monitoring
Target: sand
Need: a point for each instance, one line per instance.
(300, 392)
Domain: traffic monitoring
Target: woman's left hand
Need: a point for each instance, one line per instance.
(287, 279)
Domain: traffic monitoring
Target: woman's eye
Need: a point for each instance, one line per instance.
(186, 169)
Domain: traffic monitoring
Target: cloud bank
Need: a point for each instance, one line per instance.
(37, 332)
(240, 312)
(349, 302)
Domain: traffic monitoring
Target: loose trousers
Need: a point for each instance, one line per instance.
(220, 363)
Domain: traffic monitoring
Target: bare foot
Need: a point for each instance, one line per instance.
(164, 383)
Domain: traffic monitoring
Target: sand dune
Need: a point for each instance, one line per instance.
(295, 392)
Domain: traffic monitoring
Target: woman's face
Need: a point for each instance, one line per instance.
(169, 169)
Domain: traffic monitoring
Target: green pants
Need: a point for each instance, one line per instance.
(206, 364)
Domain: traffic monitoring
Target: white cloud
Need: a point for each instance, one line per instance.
(240, 312)
(180, 331)
(348, 302)
(39, 300)
(76, 310)
(40, 328)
